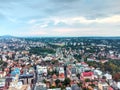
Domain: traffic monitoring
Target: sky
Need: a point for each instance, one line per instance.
(60, 18)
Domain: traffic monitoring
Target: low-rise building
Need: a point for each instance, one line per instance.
(87, 75)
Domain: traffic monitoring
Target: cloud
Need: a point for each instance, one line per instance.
(87, 31)
(32, 21)
(65, 8)
(12, 19)
(37, 33)
(60, 17)
(83, 20)
(76, 20)
(63, 1)
(112, 19)
(44, 25)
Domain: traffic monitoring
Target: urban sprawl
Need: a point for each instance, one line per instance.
(56, 63)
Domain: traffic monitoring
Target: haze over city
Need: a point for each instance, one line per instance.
(60, 17)
(59, 44)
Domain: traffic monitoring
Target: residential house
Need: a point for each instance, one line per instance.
(103, 86)
(87, 75)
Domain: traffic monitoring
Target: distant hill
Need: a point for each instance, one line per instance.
(102, 37)
(82, 37)
(7, 36)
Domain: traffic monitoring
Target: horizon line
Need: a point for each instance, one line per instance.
(56, 36)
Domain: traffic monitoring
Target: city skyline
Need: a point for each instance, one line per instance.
(60, 18)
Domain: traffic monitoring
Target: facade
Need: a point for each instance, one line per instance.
(103, 86)
(87, 75)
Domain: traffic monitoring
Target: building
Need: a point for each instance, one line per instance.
(103, 86)
(87, 75)
(108, 76)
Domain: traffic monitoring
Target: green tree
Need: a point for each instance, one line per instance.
(116, 77)
(44, 81)
(57, 82)
(87, 80)
(67, 81)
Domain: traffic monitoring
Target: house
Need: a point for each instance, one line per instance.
(68, 88)
(90, 59)
(97, 73)
(80, 69)
(118, 85)
(87, 75)
(108, 76)
(115, 86)
(84, 64)
(2, 74)
(110, 88)
(61, 70)
(54, 77)
(75, 87)
(18, 85)
(68, 73)
(42, 70)
(2, 83)
(73, 71)
(103, 86)
(40, 86)
(61, 76)
(54, 89)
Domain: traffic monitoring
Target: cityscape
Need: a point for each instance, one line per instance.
(59, 63)
(59, 44)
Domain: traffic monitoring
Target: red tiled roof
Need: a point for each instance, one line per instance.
(84, 63)
(1, 72)
(54, 76)
(110, 88)
(61, 75)
(87, 74)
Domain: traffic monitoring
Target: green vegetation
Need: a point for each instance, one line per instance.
(57, 82)
(87, 80)
(3, 65)
(116, 76)
(67, 81)
(78, 57)
(41, 51)
(112, 66)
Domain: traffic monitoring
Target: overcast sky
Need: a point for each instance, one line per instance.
(60, 17)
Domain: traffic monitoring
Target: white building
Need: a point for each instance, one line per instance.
(61, 70)
(108, 76)
(41, 70)
(118, 85)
